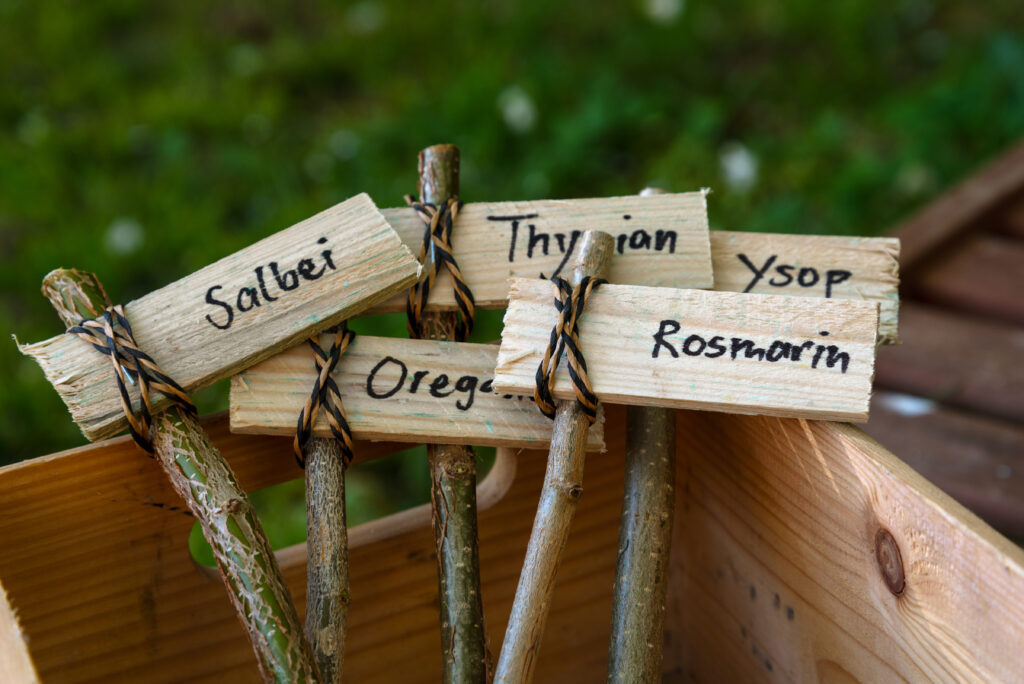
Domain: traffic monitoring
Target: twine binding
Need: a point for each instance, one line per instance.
(570, 302)
(436, 253)
(111, 334)
(325, 393)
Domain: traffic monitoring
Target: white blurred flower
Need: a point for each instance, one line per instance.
(124, 236)
(344, 144)
(364, 18)
(663, 11)
(915, 180)
(517, 109)
(739, 166)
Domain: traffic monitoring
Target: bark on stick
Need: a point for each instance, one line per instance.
(205, 481)
(327, 583)
(453, 485)
(563, 486)
(645, 539)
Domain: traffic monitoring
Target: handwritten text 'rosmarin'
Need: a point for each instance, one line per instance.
(733, 348)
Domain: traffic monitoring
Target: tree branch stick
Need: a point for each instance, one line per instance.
(563, 486)
(204, 480)
(645, 539)
(453, 486)
(327, 583)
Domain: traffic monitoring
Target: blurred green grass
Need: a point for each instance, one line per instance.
(144, 140)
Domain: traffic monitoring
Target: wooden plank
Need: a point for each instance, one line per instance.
(977, 460)
(812, 266)
(721, 351)
(983, 275)
(786, 507)
(957, 359)
(1011, 220)
(236, 311)
(97, 567)
(774, 572)
(660, 240)
(959, 211)
(395, 389)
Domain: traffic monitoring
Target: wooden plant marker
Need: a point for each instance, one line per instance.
(722, 351)
(240, 310)
(661, 240)
(167, 321)
(663, 243)
(829, 266)
(401, 390)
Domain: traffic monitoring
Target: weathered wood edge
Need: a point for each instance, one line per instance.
(87, 366)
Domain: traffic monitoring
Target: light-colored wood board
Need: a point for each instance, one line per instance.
(198, 343)
(774, 568)
(785, 506)
(812, 266)
(397, 389)
(15, 656)
(650, 346)
(663, 242)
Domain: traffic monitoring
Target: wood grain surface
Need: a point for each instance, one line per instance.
(627, 363)
(661, 240)
(774, 573)
(975, 458)
(198, 343)
(422, 391)
(812, 266)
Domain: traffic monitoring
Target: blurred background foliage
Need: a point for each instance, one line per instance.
(144, 140)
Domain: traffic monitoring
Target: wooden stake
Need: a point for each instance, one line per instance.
(327, 584)
(645, 540)
(453, 485)
(563, 486)
(204, 480)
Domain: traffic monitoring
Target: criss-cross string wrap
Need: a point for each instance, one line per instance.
(570, 302)
(111, 334)
(436, 253)
(326, 394)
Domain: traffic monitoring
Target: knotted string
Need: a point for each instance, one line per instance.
(111, 334)
(570, 302)
(325, 393)
(436, 253)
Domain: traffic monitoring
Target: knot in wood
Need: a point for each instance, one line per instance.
(575, 490)
(890, 561)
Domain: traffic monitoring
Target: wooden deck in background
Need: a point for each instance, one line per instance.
(949, 400)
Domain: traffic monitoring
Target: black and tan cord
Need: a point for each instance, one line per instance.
(570, 302)
(325, 393)
(435, 253)
(111, 334)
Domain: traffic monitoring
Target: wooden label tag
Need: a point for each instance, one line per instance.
(660, 240)
(720, 351)
(812, 266)
(663, 243)
(397, 390)
(240, 310)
